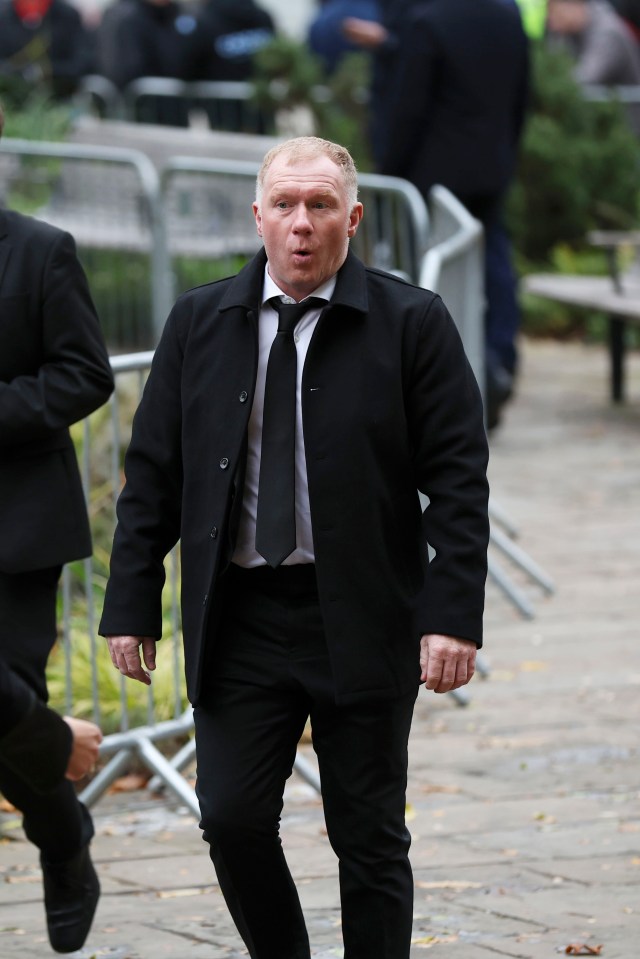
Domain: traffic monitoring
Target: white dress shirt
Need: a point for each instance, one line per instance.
(245, 553)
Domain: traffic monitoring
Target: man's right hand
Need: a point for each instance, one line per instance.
(125, 656)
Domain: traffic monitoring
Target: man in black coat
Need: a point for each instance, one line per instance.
(54, 370)
(448, 106)
(306, 590)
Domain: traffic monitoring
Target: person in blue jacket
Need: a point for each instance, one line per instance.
(326, 36)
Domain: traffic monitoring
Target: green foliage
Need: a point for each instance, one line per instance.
(288, 77)
(579, 164)
(32, 115)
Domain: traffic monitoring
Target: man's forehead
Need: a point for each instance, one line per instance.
(321, 172)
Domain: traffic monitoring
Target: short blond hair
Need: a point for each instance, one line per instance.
(309, 148)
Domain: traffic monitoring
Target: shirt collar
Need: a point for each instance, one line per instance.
(269, 288)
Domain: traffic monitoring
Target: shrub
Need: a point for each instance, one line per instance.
(578, 168)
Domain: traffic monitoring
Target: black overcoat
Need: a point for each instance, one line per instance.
(54, 370)
(389, 406)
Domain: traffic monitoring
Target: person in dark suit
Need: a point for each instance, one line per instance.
(54, 370)
(449, 98)
(287, 455)
(41, 747)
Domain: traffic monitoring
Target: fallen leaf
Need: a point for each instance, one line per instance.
(433, 788)
(582, 949)
(182, 893)
(130, 783)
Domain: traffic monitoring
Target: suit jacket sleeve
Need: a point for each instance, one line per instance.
(73, 376)
(34, 741)
(451, 454)
(149, 507)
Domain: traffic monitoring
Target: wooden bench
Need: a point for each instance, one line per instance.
(619, 297)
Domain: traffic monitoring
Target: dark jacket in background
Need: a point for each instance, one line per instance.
(455, 101)
(57, 49)
(54, 370)
(235, 31)
(141, 39)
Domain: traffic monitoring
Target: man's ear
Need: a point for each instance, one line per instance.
(258, 218)
(354, 219)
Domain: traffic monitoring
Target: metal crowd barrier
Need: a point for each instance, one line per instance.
(109, 200)
(222, 104)
(454, 267)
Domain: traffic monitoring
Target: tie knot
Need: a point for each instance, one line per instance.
(289, 314)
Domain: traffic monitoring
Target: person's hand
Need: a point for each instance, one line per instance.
(125, 656)
(364, 33)
(446, 662)
(84, 751)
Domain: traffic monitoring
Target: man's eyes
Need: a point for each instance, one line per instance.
(317, 205)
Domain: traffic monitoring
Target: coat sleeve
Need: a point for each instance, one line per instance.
(74, 376)
(451, 454)
(149, 507)
(34, 741)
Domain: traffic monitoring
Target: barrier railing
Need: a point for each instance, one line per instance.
(109, 200)
(454, 267)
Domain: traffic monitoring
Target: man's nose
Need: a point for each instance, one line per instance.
(301, 220)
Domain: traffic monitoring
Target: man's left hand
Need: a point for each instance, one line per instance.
(446, 662)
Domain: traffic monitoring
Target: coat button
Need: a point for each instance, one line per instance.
(224, 462)
(214, 532)
(244, 396)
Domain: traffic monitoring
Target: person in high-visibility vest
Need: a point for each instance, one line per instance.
(534, 16)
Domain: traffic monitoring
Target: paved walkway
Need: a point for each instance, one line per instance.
(525, 805)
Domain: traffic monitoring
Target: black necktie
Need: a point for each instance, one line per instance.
(276, 519)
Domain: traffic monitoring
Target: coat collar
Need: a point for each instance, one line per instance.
(245, 290)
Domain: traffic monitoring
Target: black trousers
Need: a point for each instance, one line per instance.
(269, 673)
(56, 822)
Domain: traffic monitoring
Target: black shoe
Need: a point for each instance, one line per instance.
(71, 893)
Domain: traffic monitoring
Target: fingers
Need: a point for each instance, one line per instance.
(125, 656)
(446, 662)
(84, 752)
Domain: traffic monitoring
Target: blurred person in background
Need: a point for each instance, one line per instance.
(54, 371)
(448, 107)
(43, 43)
(152, 38)
(602, 43)
(235, 31)
(326, 36)
(629, 10)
